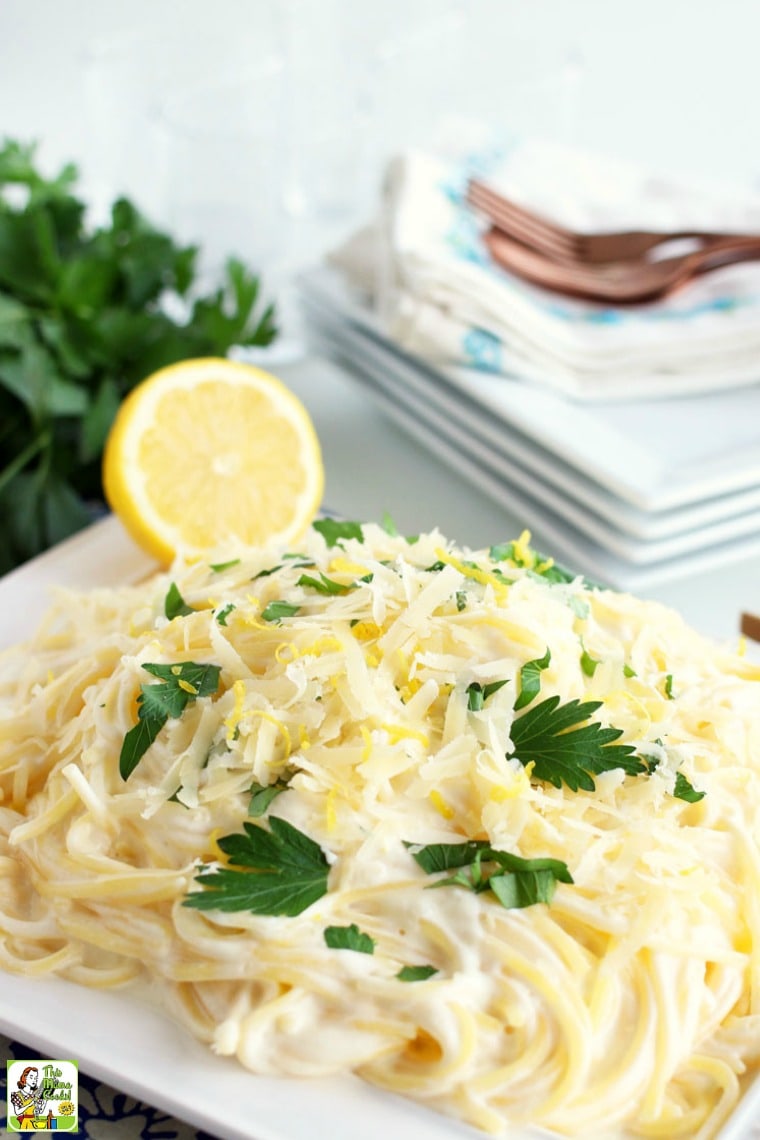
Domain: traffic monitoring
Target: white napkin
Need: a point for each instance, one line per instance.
(440, 295)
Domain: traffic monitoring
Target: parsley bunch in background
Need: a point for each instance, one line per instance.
(83, 319)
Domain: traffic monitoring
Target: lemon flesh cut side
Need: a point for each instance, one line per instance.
(210, 455)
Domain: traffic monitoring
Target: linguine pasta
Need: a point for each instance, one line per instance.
(371, 685)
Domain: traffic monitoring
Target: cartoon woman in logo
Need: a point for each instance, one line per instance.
(28, 1103)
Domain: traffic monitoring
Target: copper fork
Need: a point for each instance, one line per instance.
(563, 244)
(750, 626)
(618, 282)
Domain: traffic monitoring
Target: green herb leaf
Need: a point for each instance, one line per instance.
(579, 606)
(461, 600)
(217, 567)
(530, 679)
(174, 604)
(349, 938)
(478, 694)
(564, 748)
(82, 320)
(515, 891)
(505, 552)
(443, 856)
(389, 525)
(628, 671)
(416, 973)
(276, 611)
(180, 685)
(225, 612)
(684, 790)
(186, 677)
(137, 742)
(284, 872)
(323, 584)
(335, 531)
(262, 796)
(552, 573)
(516, 882)
(669, 686)
(589, 664)
(97, 419)
(266, 573)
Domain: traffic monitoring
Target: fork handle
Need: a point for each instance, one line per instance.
(571, 247)
(725, 251)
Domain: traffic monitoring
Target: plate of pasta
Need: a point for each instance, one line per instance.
(382, 833)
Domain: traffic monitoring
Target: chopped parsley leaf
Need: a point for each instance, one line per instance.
(416, 973)
(174, 604)
(225, 612)
(282, 871)
(515, 882)
(335, 531)
(180, 685)
(684, 790)
(349, 938)
(276, 611)
(262, 796)
(324, 585)
(530, 679)
(478, 694)
(389, 525)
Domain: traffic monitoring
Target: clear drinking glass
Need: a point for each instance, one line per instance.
(221, 163)
(132, 74)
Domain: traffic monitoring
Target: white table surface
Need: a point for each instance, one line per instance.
(373, 467)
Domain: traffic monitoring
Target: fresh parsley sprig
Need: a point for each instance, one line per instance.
(349, 938)
(336, 531)
(82, 320)
(530, 679)
(281, 872)
(278, 610)
(416, 973)
(683, 789)
(179, 686)
(516, 882)
(174, 604)
(262, 796)
(566, 747)
(478, 694)
(324, 585)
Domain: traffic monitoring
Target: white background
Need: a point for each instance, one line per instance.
(670, 83)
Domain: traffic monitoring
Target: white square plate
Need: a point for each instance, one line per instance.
(655, 455)
(124, 1038)
(562, 525)
(517, 463)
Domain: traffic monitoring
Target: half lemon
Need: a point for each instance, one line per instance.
(209, 455)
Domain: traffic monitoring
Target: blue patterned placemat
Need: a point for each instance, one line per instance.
(104, 1112)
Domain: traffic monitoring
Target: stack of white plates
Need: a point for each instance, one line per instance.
(632, 494)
